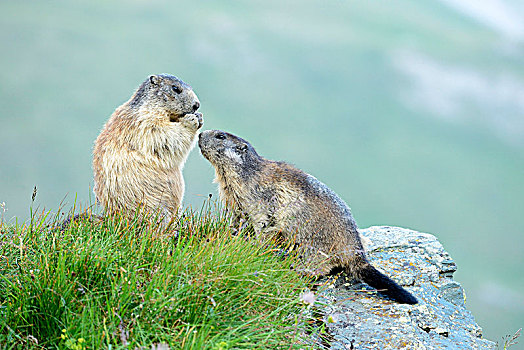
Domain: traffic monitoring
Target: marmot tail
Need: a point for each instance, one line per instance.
(386, 285)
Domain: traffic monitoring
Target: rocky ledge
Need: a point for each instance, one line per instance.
(357, 318)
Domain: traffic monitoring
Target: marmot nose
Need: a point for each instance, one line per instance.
(196, 106)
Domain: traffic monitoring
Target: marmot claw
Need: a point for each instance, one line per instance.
(193, 120)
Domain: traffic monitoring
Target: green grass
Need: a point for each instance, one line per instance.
(118, 283)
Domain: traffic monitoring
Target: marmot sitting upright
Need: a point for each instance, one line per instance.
(282, 201)
(139, 155)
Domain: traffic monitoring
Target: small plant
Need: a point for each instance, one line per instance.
(3, 209)
(72, 343)
(510, 340)
(33, 197)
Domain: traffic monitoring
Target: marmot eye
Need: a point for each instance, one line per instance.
(220, 136)
(176, 89)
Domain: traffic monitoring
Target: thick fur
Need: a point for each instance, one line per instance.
(140, 153)
(283, 201)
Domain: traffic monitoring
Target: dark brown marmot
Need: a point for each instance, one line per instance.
(283, 202)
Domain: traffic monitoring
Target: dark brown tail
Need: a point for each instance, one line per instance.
(386, 285)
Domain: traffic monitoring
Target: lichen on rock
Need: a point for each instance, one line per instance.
(359, 318)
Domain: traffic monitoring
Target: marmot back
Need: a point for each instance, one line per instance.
(281, 200)
(139, 155)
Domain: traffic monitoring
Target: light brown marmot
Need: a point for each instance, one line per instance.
(139, 155)
(283, 202)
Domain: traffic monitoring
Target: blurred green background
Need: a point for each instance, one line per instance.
(412, 111)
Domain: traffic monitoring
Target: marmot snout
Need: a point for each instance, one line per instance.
(139, 155)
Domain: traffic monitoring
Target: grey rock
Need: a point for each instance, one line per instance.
(359, 318)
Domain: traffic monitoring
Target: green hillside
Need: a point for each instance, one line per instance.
(411, 111)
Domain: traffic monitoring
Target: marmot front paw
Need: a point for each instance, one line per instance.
(194, 121)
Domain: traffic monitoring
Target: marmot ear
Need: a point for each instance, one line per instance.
(153, 79)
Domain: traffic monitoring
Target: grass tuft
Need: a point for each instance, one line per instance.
(129, 283)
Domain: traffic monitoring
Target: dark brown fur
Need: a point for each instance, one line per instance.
(281, 200)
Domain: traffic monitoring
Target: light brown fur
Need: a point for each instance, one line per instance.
(140, 153)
